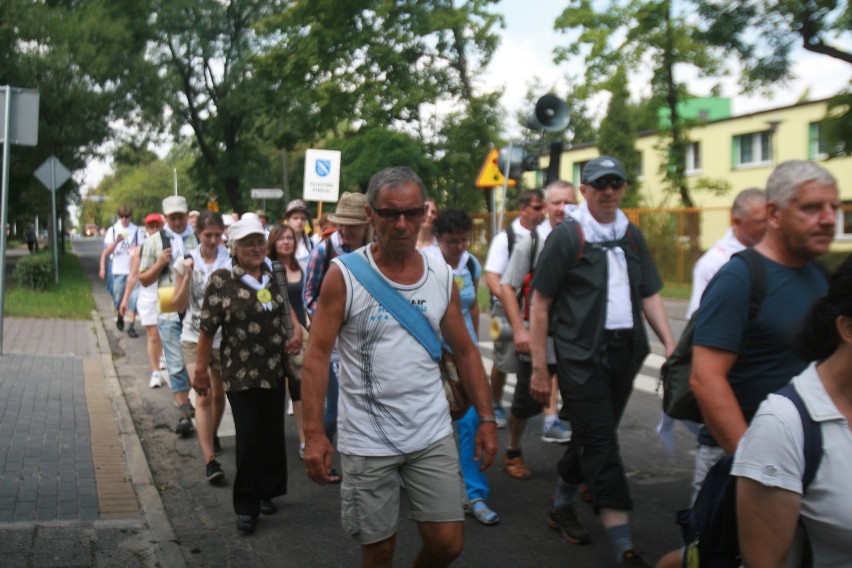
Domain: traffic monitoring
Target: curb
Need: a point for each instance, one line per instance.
(162, 535)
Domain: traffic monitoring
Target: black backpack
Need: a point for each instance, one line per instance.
(709, 528)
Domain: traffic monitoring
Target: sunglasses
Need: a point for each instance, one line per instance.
(601, 184)
(413, 214)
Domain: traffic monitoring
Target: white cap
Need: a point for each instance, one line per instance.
(245, 227)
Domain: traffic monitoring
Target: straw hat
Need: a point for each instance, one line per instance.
(350, 210)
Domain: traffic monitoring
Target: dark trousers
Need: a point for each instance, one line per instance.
(595, 407)
(261, 456)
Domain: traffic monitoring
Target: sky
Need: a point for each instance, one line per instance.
(526, 54)
(526, 51)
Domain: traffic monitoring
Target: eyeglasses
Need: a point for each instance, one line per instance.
(413, 214)
(601, 184)
(254, 243)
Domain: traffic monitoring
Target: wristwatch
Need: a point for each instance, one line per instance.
(488, 418)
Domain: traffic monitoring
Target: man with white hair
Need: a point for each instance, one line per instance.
(737, 360)
(156, 266)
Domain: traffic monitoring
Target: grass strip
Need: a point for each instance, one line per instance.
(70, 299)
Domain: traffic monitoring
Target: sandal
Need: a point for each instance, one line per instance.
(480, 511)
(334, 476)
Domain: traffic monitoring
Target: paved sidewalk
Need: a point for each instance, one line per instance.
(71, 457)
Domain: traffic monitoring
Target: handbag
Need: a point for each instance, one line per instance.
(413, 321)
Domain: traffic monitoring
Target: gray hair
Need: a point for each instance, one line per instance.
(789, 175)
(743, 201)
(559, 184)
(393, 178)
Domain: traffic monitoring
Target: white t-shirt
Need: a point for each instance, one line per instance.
(132, 237)
(391, 397)
(498, 253)
(709, 264)
(772, 454)
(201, 271)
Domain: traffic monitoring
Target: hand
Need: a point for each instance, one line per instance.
(187, 265)
(201, 380)
(294, 344)
(522, 340)
(318, 455)
(122, 308)
(540, 385)
(102, 273)
(485, 445)
(166, 256)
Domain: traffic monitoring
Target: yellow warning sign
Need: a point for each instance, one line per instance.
(489, 174)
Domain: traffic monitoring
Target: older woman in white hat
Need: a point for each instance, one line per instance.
(247, 304)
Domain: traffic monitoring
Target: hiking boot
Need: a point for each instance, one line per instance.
(632, 558)
(213, 472)
(246, 523)
(217, 445)
(566, 522)
(557, 434)
(516, 467)
(119, 322)
(131, 332)
(156, 380)
(267, 507)
(184, 426)
(500, 416)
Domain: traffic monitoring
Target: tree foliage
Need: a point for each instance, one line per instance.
(765, 33)
(617, 136)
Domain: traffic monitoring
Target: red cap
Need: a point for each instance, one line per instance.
(153, 218)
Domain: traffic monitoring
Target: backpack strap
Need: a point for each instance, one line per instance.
(757, 275)
(812, 430)
(398, 306)
(471, 267)
(510, 236)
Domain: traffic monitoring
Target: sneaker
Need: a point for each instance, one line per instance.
(516, 467)
(184, 426)
(162, 361)
(156, 380)
(131, 332)
(633, 558)
(213, 472)
(289, 407)
(119, 322)
(480, 511)
(302, 452)
(557, 433)
(500, 416)
(566, 522)
(217, 444)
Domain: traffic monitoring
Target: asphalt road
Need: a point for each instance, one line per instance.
(306, 531)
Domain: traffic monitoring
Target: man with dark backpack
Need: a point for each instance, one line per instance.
(738, 360)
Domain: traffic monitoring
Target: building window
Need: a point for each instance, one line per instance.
(753, 149)
(844, 221)
(578, 171)
(693, 158)
(817, 146)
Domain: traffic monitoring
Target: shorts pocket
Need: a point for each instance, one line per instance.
(349, 510)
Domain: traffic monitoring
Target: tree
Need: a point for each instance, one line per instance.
(617, 135)
(634, 35)
(89, 84)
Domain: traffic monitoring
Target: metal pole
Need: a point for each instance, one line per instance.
(4, 206)
(174, 172)
(53, 244)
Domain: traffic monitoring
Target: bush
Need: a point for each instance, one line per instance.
(34, 271)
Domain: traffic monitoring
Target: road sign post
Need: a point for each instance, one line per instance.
(19, 126)
(53, 173)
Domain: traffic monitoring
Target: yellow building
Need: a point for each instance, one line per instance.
(741, 151)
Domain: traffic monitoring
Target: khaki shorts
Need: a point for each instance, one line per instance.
(190, 354)
(505, 357)
(371, 488)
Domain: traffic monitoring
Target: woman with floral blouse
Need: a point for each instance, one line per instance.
(246, 303)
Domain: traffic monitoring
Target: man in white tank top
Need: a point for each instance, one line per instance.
(394, 420)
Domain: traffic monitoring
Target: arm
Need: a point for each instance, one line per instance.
(540, 383)
(330, 311)
(132, 279)
(201, 377)
(655, 313)
(709, 383)
(512, 280)
(766, 521)
(492, 280)
(183, 283)
(472, 377)
(294, 344)
(106, 252)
